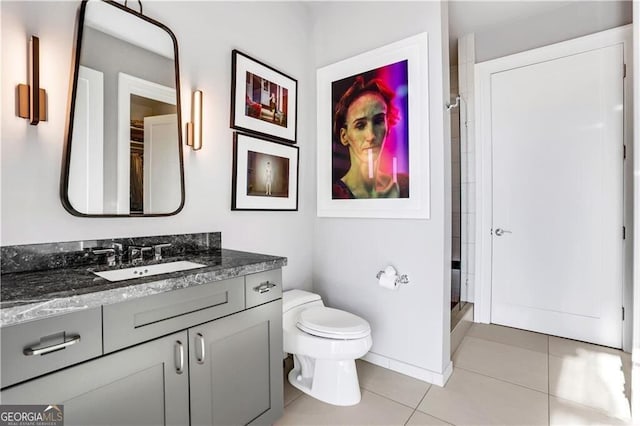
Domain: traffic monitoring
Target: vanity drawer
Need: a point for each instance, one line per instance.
(263, 287)
(143, 319)
(38, 347)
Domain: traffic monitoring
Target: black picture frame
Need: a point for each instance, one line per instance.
(265, 174)
(264, 101)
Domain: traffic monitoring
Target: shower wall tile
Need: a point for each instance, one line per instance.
(468, 165)
(468, 197)
(468, 286)
(469, 227)
(466, 139)
(470, 251)
(466, 84)
(463, 168)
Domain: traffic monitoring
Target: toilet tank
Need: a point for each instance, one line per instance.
(295, 301)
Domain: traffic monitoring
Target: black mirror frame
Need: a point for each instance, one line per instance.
(64, 181)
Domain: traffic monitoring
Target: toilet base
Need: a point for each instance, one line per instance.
(332, 381)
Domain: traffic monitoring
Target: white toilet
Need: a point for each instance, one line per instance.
(325, 343)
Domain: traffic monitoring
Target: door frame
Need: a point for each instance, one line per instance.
(129, 85)
(484, 196)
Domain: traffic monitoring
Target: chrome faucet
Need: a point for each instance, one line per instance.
(158, 250)
(119, 249)
(136, 254)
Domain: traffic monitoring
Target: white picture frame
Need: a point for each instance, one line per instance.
(412, 53)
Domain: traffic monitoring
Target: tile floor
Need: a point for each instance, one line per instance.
(502, 376)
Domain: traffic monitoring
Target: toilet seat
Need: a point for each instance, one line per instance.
(332, 324)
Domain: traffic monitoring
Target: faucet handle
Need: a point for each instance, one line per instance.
(108, 250)
(111, 252)
(158, 250)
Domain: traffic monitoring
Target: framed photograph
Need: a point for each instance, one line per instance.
(373, 133)
(265, 174)
(264, 101)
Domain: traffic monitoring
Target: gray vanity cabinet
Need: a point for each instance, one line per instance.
(235, 368)
(219, 362)
(143, 385)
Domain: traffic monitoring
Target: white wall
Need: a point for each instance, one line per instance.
(635, 372)
(410, 327)
(577, 19)
(206, 32)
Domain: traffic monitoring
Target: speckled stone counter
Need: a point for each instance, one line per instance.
(31, 295)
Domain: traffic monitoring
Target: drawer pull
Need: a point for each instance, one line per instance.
(265, 287)
(199, 345)
(41, 351)
(179, 356)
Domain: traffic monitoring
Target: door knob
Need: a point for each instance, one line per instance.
(499, 232)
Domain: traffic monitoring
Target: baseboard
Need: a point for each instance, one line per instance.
(461, 328)
(438, 379)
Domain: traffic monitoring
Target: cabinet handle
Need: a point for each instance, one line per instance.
(200, 345)
(41, 351)
(264, 287)
(179, 356)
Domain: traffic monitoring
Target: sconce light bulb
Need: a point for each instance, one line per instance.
(196, 117)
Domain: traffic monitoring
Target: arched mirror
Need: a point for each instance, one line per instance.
(123, 153)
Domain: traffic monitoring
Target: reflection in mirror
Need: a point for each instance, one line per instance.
(124, 154)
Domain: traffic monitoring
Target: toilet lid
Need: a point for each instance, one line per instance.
(332, 323)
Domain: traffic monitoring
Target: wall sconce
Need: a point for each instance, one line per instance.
(194, 128)
(32, 100)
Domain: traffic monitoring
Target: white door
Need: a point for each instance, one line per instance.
(557, 192)
(161, 180)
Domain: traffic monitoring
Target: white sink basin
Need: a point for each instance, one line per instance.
(148, 270)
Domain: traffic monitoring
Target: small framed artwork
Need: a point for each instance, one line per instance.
(373, 133)
(263, 100)
(265, 174)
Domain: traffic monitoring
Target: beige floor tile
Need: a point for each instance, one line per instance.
(420, 419)
(372, 410)
(474, 399)
(290, 392)
(594, 354)
(398, 387)
(505, 362)
(590, 377)
(568, 413)
(510, 336)
(559, 346)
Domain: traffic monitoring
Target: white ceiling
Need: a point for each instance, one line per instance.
(472, 16)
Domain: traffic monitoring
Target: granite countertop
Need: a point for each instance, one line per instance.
(27, 296)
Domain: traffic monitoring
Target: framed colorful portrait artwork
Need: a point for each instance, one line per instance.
(265, 174)
(373, 133)
(263, 100)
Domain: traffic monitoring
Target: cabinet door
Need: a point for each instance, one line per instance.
(235, 368)
(144, 385)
